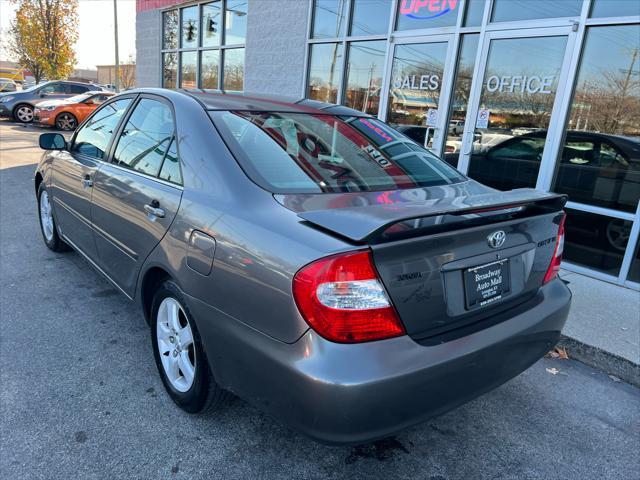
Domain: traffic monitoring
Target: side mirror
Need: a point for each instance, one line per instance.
(52, 141)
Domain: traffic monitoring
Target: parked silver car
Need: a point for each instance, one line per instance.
(20, 105)
(306, 257)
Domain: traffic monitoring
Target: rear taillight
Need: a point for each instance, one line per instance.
(342, 298)
(556, 260)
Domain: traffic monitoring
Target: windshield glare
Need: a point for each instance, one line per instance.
(306, 153)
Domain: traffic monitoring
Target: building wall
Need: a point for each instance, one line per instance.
(148, 45)
(275, 47)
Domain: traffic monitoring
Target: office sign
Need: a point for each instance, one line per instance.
(520, 84)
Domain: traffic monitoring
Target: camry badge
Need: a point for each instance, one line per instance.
(496, 239)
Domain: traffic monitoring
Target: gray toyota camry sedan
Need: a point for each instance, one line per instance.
(305, 257)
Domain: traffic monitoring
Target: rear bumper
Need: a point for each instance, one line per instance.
(342, 394)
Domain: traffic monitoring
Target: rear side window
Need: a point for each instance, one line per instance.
(92, 139)
(75, 89)
(170, 170)
(146, 137)
(300, 153)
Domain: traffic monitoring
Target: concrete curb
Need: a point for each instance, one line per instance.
(608, 362)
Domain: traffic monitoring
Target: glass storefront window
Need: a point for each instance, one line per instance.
(209, 61)
(235, 24)
(460, 100)
(189, 27)
(211, 28)
(364, 75)
(420, 14)
(416, 80)
(614, 8)
(595, 241)
(370, 17)
(518, 92)
(600, 160)
(188, 62)
(329, 18)
(233, 72)
(514, 10)
(325, 65)
(169, 70)
(474, 13)
(170, 29)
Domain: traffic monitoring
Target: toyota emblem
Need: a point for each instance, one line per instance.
(496, 239)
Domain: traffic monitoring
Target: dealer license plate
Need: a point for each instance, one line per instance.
(487, 283)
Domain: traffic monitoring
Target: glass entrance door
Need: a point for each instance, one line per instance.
(418, 86)
(514, 107)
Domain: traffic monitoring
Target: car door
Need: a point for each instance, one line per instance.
(134, 198)
(74, 172)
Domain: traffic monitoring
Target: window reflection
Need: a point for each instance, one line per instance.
(513, 10)
(234, 69)
(634, 272)
(211, 27)
(364, 76)
(189, 27)
(461, 92)
(596, 241)
(474, 13)
(416, 80)
(329, 18)
(370, 17)
(169, 70)
(235, 24)
(518, 92)
(170, 29)
(188, 69)
(614, 8)
(209, 69)
(324, 72)
(600, 160)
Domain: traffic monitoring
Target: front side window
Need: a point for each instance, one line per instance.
(52, 89)
(315, 153)
(93, 138)
(146, 137)
(76, 89)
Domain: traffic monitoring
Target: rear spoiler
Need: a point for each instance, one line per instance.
(367, 224)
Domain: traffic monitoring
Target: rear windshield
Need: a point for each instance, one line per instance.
(313, 153)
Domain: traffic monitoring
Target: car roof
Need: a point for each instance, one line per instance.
(256, 102)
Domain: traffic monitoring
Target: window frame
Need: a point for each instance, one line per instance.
(221, 47)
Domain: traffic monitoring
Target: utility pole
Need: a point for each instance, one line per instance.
(115, 31)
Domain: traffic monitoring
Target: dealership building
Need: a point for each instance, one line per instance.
(514, 93)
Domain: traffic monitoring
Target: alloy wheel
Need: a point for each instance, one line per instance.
(46, 216)
(66, 122)
(175, 344)
(24, 113)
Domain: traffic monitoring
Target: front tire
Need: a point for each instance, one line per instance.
(179, 355)
(66, 121)
(23, 113)
(47, 223)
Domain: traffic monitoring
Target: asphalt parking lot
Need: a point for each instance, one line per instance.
(81, 398)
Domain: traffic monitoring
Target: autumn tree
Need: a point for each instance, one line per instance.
(42, 37)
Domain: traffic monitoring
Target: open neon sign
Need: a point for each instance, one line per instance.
(426, 9)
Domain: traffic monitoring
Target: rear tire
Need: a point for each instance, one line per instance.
(66, 121)
(48, 226)
(23, 113)
(179, 354)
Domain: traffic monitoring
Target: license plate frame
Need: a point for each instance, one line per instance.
(487, 283)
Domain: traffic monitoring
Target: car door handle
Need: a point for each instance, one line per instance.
(154, 209)
(87, 182)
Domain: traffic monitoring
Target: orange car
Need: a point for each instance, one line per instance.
(68, 113)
